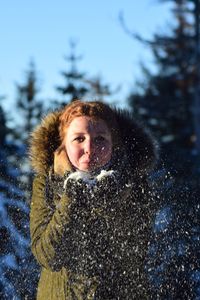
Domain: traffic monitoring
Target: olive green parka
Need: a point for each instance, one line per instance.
(126, 226)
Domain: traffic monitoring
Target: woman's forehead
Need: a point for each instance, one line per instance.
(88, 123)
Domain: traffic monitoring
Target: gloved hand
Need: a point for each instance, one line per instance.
(110, 188)
(97, 192)
(77, 233)
(88, 235)
(77, 190)
(108, 185)
(80, 193)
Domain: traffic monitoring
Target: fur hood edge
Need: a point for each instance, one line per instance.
(140, 146)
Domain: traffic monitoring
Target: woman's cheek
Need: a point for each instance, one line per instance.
(106, 151)
(73, 153)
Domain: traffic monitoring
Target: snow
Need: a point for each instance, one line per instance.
(104, 174)
(17, 267)
(9, 260)
(10, 187)
(87, 177)
(175, 242)
(163, 219)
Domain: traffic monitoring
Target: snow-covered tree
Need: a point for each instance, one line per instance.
(30, 109)
(174, 263)
(18, 271)
(165, 102)
(166, 99)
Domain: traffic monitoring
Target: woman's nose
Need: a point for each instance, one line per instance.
(88, 147)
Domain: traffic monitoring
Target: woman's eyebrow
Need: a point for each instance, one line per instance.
(77, 133)
(82, 132)
(102, 132)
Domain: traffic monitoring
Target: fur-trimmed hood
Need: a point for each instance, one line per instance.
(138, 144)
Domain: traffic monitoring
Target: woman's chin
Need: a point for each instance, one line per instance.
(88, 167)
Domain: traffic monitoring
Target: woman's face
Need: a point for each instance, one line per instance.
(88, 143)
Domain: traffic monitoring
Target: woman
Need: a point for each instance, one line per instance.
(92, 207)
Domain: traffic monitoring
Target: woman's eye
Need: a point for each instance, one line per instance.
(79, 139)
(99, 139)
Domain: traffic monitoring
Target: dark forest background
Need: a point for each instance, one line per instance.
(167, 101)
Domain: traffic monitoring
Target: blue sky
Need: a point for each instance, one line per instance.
(41, 30)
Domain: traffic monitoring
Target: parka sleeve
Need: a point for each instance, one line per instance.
(47, 226)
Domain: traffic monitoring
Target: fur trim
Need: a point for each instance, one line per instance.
(43, 142)
(139, 146)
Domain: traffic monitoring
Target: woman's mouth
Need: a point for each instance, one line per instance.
(85, 162)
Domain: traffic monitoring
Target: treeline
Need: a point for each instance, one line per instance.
(168, 102)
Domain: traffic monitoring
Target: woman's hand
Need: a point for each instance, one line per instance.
(76, 189)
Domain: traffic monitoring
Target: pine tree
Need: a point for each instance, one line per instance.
(173, 263)
(3, 129)
(78, 85)
(29, 106)
(166, 103)
(196, 106)
(97, 89)
(75, 86)
(166, 100)
(30, 110)
(18, 271)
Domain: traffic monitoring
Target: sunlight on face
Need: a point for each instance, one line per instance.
(88, 143)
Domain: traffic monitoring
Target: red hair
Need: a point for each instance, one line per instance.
(94, 109)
